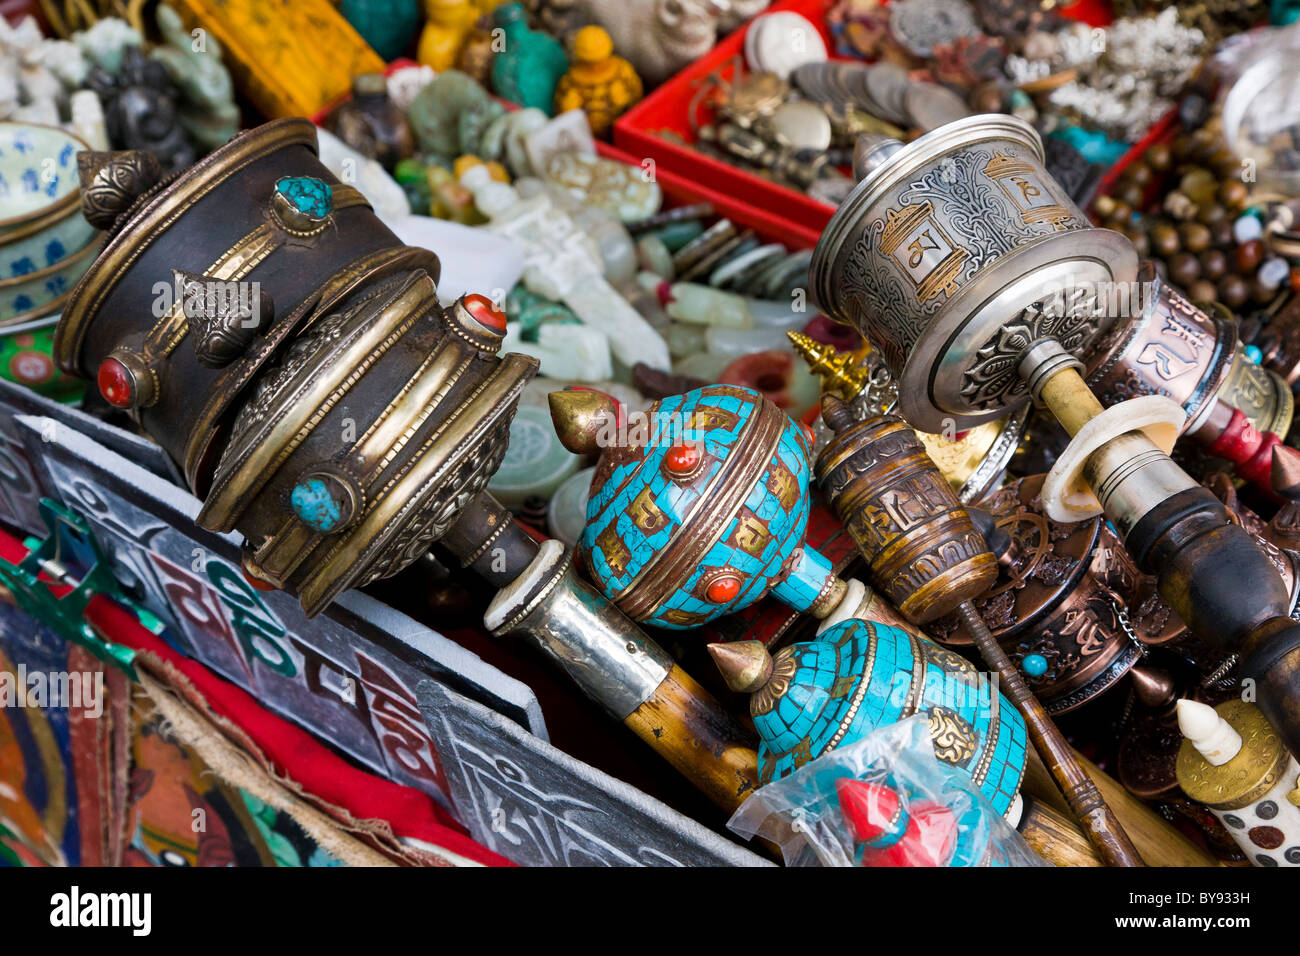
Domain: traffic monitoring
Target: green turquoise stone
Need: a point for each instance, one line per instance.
(677, 234)
(315, 506)
(387, 25)
(527, 71)
(309, 195)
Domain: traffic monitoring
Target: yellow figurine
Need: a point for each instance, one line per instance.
(449, 23)
(601, 84)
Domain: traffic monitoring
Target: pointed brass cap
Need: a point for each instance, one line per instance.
(839, 372)
(1153, 686)
(112, 181)
(1285, 476)
(582, 416)
(745, 665)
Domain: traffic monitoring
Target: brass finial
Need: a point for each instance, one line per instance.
(745, 665)
(1285, 476)
(581, 415)
(840, 372)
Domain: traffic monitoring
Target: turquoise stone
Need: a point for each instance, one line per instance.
(308, 195)
(315, 506)
(1254, 354)
(1035, 665)
(387, 25)
(527, 70)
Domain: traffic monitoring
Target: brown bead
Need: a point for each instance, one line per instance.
(1209, 215)
(1129, 193)
(1139, 173)
(1214, 264)
(1221, 236)
(1202, 291)
(1159, 157)
(1141, 242)
(1260, 293)
(1195, 237)
(1184, 269)
(1121, 212)
(1164, 240)
(1250, 255)
(1233, 193)
(1295, 279)
(1233, 291)
(1199, 186)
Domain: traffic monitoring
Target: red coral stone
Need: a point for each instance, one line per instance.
(680, 459)
(723, 589)
(481, 307)
(116, 383)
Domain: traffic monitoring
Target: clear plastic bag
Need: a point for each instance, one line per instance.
(1260, 103)
(885, 800)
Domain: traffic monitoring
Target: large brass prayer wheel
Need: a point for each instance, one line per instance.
(289, 352)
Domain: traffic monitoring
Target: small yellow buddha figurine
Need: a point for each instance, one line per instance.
(448, 24)
(601, 84)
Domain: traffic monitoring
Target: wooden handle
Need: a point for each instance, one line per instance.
(690, 729)
(1070, 399)
(1099, 822)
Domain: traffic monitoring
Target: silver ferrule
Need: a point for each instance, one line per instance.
(870, 152)
(1043, 359)
(603, 650)
(1130, 476)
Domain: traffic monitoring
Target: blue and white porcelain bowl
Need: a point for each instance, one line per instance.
(38, 174)
(44, 243)
(43, 291)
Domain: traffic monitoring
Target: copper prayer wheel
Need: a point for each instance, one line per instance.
(923, 548)
(1061, 595)
(1167, 347)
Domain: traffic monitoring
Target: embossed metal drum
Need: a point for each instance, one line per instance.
(1167, 346)
(956, 254)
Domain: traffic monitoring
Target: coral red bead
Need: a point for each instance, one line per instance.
(723, 590)
(681, 458)
(257, 583)
(481, 307)
(115, 383)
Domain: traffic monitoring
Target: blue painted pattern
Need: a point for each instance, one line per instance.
(861, 675)
(637, 511)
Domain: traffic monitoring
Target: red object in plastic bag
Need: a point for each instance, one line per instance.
(892, 832)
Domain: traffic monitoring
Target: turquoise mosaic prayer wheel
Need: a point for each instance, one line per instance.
(859, 676)
(699, 507)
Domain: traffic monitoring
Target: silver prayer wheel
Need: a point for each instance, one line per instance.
(954, 251)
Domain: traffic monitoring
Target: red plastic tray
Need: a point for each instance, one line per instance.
(638, 132)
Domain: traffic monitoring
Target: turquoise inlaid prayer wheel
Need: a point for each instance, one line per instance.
(858, 676)
(699, 508)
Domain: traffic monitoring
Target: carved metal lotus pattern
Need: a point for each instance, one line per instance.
(993, 379)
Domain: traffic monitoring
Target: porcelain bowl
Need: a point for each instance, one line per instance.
(38, 174)
(43, 291)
